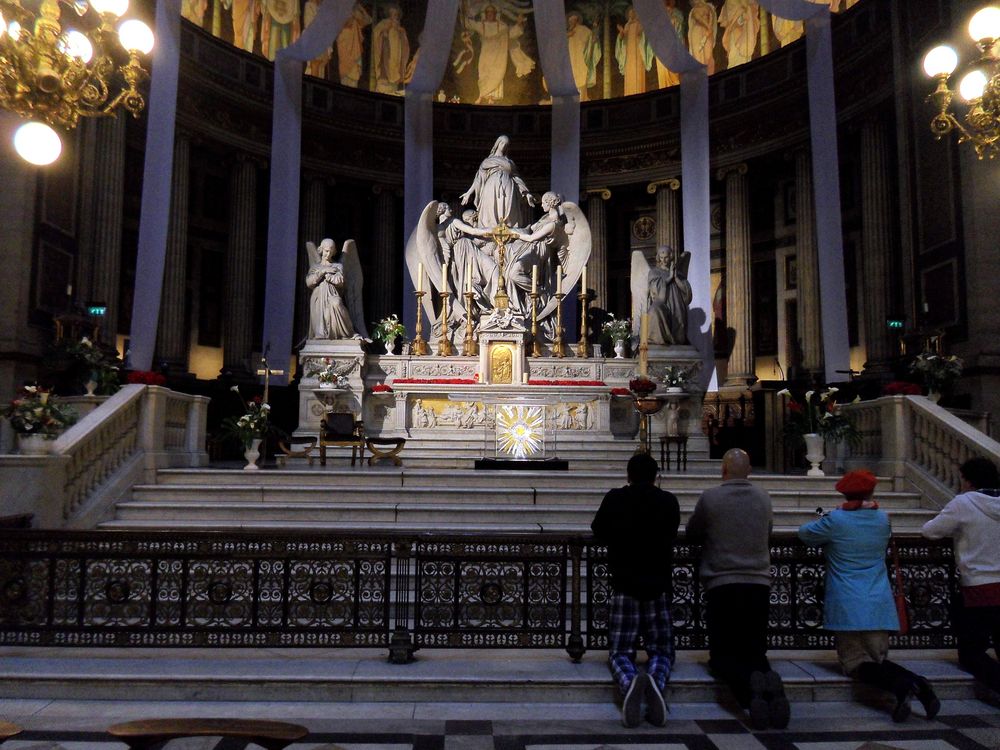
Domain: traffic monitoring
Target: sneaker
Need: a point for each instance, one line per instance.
(779, 712)
(632, 703)
(757, 709)
(928, 698)
(656, 707)
(903, 691)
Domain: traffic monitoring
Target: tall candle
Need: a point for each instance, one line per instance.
(583, 285)
(468, 277)
(444, 278)
(644, 328)
(558, 279)
(534, 279)
(420, 277)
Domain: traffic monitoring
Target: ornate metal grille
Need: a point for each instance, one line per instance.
(399, 591)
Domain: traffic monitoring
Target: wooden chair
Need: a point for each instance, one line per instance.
(145, 733)
(341, 430)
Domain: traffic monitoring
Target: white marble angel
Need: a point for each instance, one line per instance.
(335, 278)
(662, 291)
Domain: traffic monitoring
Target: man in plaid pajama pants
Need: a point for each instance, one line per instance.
(638, 524)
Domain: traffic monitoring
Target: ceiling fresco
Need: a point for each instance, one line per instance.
(494, 52)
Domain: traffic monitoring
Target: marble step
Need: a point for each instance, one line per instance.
(364, 675)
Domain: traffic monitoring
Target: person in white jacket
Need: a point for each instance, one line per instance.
(972, 519)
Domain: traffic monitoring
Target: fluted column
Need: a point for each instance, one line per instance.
(876, 245)
(739, 310)
(312, 228)
(237, 311)
(108, 198)
(597, 266)
(807, 264)
(172, 334)
(382, 293)
(668, 212)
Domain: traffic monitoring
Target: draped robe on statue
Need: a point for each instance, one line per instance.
(328, 314)
(499, 192)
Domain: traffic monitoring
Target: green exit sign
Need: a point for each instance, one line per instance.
(98, 311)
(896, 323)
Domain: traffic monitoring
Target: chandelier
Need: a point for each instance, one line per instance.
(979, 86)
(60, 62)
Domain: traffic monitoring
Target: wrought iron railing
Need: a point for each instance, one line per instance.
(398, 591)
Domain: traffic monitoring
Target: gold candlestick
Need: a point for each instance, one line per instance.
(470, 348)
(500, 235)
(558, 348)
(445, 349)
(582, 344)
(419, 347)
(536, 345)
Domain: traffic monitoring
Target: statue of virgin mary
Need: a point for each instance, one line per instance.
(498, 191)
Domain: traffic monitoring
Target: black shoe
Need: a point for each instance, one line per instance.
(779, 712)
(632, 704)
(758, 709)
(656, 707)
(927, 697)
(903, 690)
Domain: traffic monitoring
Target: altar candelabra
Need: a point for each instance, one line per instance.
(419, 347)
(470, 348)
(558, 348)
(445, 349)
(583, 344)
(500, 234)
(536, 345)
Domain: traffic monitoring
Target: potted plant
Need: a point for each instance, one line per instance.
(618, 330)
(38, 419)
(388, 330)
(87, 364)
(675, 378)
(813, 419)
(937, 371)
(249, 428)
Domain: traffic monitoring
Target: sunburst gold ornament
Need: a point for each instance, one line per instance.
(520, 431)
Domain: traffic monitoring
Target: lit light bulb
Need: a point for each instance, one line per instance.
(973, 85)
(114, 7)
(37, 143)
(985, 24)
(136, 36)
(76, 44)
(3, 26)
(940, 61)
(14, 29)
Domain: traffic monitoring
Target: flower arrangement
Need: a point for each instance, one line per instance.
(675, 376)
(381, 388)
(145, 377)
(37, 412)
(85, 361)
(388, 330)
(817, 412)
(621, 392)
(901, 388)
(617, 329)
(936, 370)
(641, 386)
(252, 425)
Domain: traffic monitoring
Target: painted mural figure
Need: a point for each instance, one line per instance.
(664, 75)
(584, 53)
(633, 53)
(391, 48)
(318, 66)
(741, 21)
(703, 29)
(280, 26)
(194, 11)
(786, 31)
(244, 14)
(351, 46)
(497, 42)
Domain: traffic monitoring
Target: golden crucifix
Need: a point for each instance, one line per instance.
(501, 234)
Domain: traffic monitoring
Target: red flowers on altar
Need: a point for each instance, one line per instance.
(902, 388)
(435, 381)
(381, 388)
(621, 392)
(567, 382)
(145, 377)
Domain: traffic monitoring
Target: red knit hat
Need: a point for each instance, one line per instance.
(857, 485)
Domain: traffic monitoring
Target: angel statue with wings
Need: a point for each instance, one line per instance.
(335, 278)
(664, 292)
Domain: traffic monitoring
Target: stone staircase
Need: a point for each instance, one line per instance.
(421, 497)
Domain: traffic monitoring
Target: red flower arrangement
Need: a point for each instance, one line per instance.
(901, 388)
(381, 388)
(567, 382)
(641, 386)
(145, 377)
(435, 381)
(621, 392)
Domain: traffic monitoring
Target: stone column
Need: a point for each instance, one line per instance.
(171, 337)
(382, 293)
(108, 197)
(597, 266)
(668, 213)
(739, 310)
(237, 311)
(312, 228)
(807, 265)
(876, 245)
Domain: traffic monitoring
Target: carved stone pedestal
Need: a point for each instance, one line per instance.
(347, 359)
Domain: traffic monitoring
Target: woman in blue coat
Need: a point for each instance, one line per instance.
(859, 607)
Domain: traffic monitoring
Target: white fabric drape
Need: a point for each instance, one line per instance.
(418, 126)
(695, 171)
(286, 158)
(154, 217)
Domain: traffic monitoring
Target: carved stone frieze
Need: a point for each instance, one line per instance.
(561, 372)
(422, 369)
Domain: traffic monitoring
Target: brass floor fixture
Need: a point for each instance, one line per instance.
(60, 61)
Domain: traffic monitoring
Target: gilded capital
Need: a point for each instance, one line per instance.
(604, 193)
(723, 172)
(673, 183)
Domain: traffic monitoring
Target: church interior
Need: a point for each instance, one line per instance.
(328, 324)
